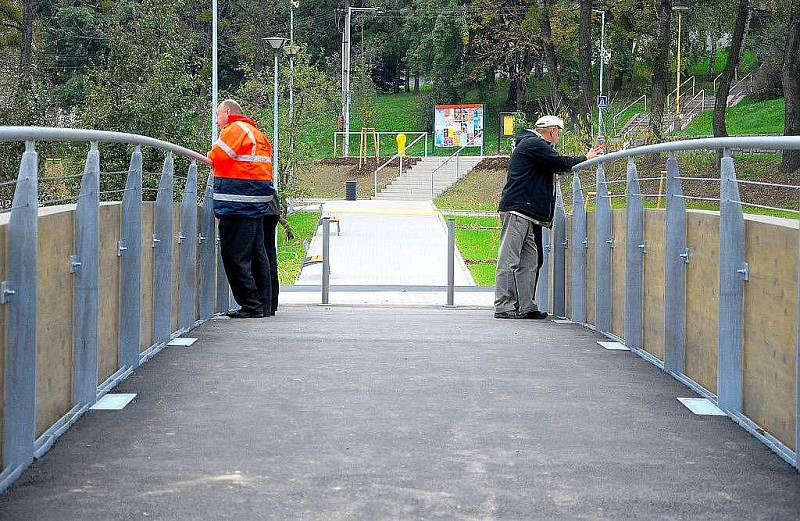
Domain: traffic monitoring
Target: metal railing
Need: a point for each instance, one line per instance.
(139, 331)
(456, 155)
(397, 155)
(629, 105)
(379, 134)
(691, 80)
(688, 247)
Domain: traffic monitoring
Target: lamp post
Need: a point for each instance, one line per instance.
(604, 56)
(213, 71)
(680, 8)
(291, 52)
(276, 42)
(346, 73)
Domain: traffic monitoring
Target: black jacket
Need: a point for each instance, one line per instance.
(530, 186)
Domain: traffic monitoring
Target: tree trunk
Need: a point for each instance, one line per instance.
(408, 80)
(712, 59)
(660, 68)
(511, 97)
(550, 59)
(724, 85)
(791, 90)
(585, 68)
(416, 81)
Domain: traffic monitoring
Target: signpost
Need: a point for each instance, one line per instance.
(505, 127)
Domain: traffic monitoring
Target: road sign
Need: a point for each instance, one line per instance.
(602, 102)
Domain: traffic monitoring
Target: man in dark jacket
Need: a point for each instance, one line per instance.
(528, 203)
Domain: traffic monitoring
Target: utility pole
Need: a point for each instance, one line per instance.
(346, 79)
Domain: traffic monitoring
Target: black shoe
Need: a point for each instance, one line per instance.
(245, 313)
(507, 314)
(534, 315)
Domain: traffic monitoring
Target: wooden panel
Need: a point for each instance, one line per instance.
(618, 273)
(108, 325)
(147, 275)
(54, 325)
(702, 298)
(568, 267)
(2, 335)
(653, 301)
(590, 316)
(176, 263)
(770, 334)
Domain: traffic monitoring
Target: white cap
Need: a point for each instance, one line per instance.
(550, 121)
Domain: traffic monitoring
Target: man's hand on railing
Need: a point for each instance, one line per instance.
(595, 151)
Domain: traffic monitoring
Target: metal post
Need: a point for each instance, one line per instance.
(375, 181)
(162, 257)
(214, 66)
(580, 244)
(291, 95)
(19, 293)
(130, 251)
(635, 249)
(207, 240)
(559, 252)
(543, 275)
(275, 171)
(326, 263)
(346, 80)
(604, 241)
(86, 267)
(187, 245)
(426, 144)
(676, 257)
(602, 62)
(732, 273)
(451, 261)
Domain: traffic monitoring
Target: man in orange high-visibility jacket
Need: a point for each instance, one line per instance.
(243, 190)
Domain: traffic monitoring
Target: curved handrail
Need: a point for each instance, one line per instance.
(629, 105)
(12, 133)
(759, 142)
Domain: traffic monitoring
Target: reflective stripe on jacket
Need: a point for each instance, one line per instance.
(242, 163)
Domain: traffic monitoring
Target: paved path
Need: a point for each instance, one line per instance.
(386, 243)
(389, 413)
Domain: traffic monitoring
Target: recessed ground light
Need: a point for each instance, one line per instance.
(113, 402)
(614, 346)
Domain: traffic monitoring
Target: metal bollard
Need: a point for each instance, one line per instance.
(326, 266)
(451, 261)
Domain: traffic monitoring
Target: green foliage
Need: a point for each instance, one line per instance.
(291, 253)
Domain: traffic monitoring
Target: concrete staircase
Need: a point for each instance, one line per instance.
(415, 183)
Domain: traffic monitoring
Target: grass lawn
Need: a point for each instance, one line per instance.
(748, 117)
(291, 253)
(478, 190)
(477, 239)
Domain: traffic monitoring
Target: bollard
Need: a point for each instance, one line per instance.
(451, 261)
(326, 265)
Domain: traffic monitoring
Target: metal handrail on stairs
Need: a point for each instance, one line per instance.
(629, 105)
(392, 159)
(455, 154)
(675, 90)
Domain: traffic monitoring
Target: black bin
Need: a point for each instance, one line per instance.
(350, 190)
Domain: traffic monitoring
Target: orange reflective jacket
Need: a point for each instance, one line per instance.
(242, 163)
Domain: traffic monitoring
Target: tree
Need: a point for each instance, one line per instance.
(734, 55)
(660, 60)
(791, 89)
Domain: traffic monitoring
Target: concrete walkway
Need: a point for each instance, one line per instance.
(390, 413)
(380, 243)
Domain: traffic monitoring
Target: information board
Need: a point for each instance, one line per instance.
(458, 126)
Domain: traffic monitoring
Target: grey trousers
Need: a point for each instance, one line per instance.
(517, 265)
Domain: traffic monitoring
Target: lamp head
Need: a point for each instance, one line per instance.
(276, 42)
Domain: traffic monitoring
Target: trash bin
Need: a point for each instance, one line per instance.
(350, 191)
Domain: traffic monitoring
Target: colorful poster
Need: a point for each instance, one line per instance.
(458, 125)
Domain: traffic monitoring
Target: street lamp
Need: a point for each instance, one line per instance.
(276, 42)
(680, 7)
(346, 72)
(213, 71)
(604, 57)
